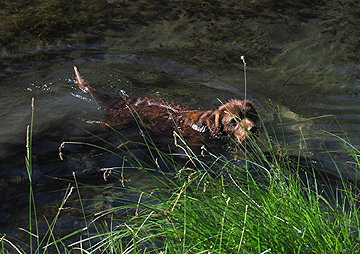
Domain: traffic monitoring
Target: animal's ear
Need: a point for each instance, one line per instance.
(217, 114)
(210, 119)
(214, 127)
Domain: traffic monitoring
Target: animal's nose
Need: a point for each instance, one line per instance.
(250, 126)
(252, 129)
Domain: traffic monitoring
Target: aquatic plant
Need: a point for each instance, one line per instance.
(54, 22)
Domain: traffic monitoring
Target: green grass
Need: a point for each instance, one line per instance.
(38, 241)
(257, 203)
(264, 200)
(255, 206)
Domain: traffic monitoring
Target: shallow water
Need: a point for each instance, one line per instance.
(306, 76)
(60, 107)
(61, 111)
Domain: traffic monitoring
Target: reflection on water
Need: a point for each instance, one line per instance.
(60, 106)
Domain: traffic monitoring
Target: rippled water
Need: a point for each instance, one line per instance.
(315, 89)
(61, 111)
(60, 106)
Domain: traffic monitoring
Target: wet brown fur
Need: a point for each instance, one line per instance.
(163, 117)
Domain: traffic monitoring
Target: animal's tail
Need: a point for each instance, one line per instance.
(81, 83)
(99, 96)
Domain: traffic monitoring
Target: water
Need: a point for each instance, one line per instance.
(60, 107)
(309, 76)
(61, 111)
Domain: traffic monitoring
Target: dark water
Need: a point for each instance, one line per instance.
(61, 111)
(316, 89)
(60, 107)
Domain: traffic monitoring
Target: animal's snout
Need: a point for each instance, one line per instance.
(250, 126)
(252, 129)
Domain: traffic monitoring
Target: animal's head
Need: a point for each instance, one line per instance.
(236, 118)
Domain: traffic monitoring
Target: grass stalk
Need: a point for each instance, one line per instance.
(199, 208)
(264, 201)
(28, 163)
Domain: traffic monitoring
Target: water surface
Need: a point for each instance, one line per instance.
(303, 67)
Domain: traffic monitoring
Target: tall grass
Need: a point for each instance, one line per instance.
(28, 163)
(266, 199)
(38, 241)
(254, 206)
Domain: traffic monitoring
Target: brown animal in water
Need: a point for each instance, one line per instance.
(165, 117)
